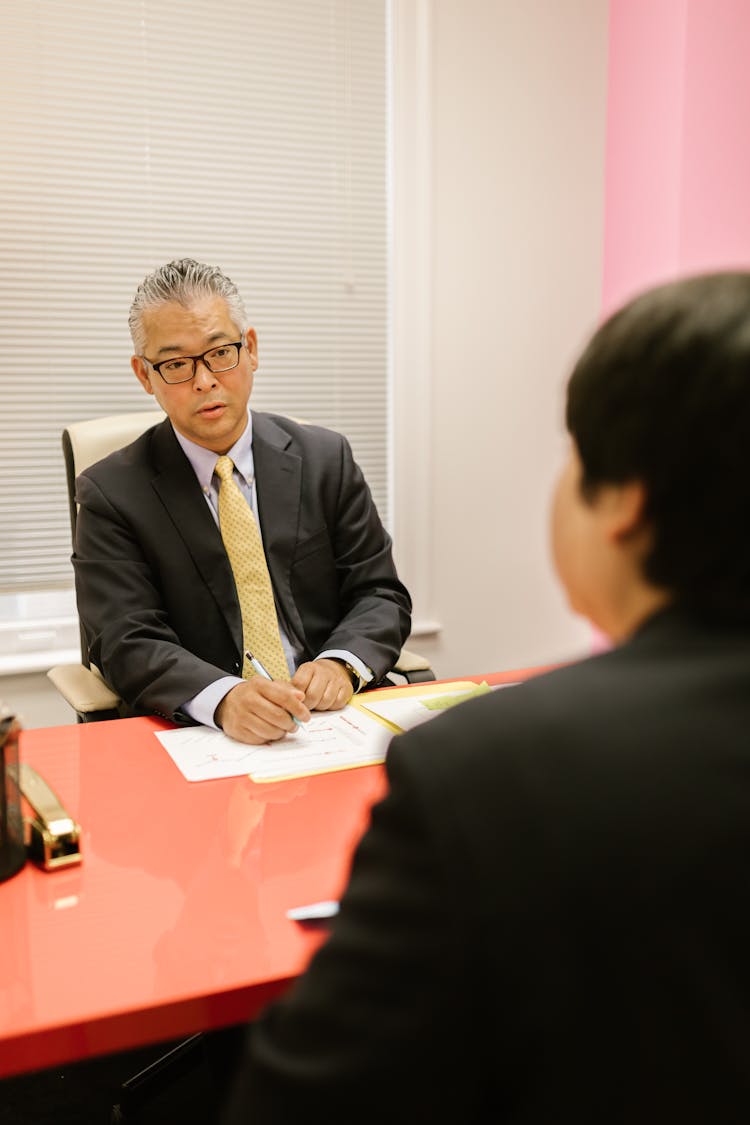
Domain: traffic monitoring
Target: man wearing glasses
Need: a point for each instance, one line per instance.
(155, 575)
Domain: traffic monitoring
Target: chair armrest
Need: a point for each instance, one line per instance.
(83, 689)
(414, 668)
(410, 662)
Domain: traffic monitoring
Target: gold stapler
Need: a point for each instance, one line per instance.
(53, 839)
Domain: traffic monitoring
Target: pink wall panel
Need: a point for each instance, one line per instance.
(715, 225)
(644, 144)
(678, 142)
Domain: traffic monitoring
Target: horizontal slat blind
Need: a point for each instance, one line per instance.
(246, 133)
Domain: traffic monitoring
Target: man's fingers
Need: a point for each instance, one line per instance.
(262, 711)
(329, 686)
(304, 674)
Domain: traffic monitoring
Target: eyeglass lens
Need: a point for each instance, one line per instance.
(179, 370)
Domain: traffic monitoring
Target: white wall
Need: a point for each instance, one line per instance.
(518, 137)
(34, 700)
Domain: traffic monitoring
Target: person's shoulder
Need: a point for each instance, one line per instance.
(554, 692)
(519, 754)
(301, 432)
(568, 704)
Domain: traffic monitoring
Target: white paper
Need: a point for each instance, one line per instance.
(330, 740)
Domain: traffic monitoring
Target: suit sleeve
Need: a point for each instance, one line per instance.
(123, 609)
(373, 614)
(363, 1036)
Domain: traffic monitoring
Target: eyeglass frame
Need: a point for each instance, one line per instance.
(238, 344)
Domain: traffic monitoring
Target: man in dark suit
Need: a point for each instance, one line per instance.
(156, 593)
(548, 919)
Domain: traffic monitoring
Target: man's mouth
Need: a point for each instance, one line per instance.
(212, 408)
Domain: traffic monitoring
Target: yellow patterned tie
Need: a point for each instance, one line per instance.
(260, 626)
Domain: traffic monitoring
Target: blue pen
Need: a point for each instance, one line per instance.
(266, 676)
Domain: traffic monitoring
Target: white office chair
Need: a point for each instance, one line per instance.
(82, 685)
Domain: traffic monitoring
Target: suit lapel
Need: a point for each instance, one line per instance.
(185, 505)
(278, 482)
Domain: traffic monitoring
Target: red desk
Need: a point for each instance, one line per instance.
(175, 921)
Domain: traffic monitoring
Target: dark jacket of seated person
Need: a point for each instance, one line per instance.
(548, 918)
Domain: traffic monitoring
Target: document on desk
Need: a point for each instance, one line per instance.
(406, 707)
(331, 740)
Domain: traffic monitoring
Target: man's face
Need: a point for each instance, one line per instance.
(600, 544)
(577, 541)
(209, 409)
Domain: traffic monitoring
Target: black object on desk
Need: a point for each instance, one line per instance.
(12, 849)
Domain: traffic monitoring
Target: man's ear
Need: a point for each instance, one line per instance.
(625, 511)
(141, 373)
(251, 343)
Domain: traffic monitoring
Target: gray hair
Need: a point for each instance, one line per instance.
(183, 281)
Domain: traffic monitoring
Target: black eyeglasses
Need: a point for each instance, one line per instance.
(182, 368)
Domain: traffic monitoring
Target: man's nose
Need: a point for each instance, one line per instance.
(202, 377)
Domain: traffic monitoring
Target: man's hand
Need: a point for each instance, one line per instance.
(326, 684)
(261, 710)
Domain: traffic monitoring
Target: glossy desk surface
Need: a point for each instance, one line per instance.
(175, 920)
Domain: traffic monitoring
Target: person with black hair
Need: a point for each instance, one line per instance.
(548, 918)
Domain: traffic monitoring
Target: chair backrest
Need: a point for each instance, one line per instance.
(86, 442)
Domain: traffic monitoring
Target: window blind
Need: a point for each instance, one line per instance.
(247, 133)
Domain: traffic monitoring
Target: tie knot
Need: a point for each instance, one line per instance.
(224, 468)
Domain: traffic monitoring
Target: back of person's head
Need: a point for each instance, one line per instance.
(662, 395)
(183, 280)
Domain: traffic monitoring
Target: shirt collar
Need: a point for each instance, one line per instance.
(204, 460)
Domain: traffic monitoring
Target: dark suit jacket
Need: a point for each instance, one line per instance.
(549, 918)
(155, 591)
